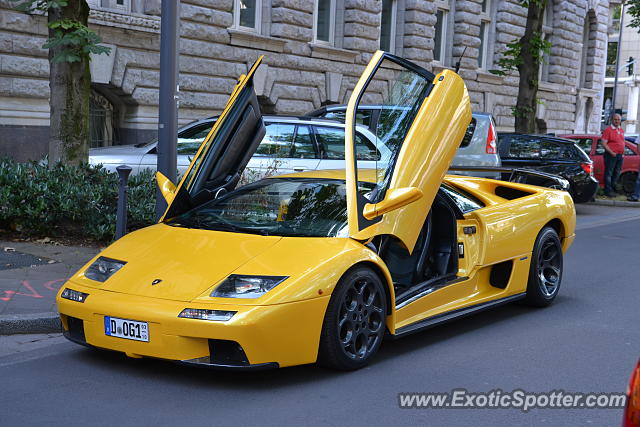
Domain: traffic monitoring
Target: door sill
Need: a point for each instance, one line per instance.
(452, 315)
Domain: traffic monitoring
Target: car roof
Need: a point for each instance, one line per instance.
(275, 118)
(342, 107)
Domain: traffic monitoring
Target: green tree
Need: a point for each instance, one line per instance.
(633, 9)
(525, 55)
(70, 45)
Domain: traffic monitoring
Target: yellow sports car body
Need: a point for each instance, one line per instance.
(322, 265)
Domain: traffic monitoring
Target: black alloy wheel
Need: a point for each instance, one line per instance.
(545, 273)
(354, 323)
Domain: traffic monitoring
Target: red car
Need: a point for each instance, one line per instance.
(632, 411)
(629, 172)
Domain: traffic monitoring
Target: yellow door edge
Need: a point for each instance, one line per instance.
(204, 147)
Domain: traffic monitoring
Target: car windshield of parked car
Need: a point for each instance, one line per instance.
(189, 138)
(306, 207)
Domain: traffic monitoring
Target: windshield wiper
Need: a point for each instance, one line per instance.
(225, 226)
(217, 226)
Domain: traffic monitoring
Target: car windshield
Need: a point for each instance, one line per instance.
(308, 207)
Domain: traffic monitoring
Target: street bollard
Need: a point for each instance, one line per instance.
(121, 216)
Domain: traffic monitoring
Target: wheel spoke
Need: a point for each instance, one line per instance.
(549, 253)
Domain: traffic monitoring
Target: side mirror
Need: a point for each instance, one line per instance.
(395, 199)
(167, 188)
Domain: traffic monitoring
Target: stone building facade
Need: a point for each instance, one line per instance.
(628, 89)
(314, 52)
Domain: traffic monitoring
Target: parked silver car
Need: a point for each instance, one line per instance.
(291, 144)
(477, 149)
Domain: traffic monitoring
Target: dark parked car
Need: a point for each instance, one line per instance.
(553, 155)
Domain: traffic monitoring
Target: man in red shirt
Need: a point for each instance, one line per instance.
(613, 143)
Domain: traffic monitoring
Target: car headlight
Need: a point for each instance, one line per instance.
(239, 286)
(103, 268)
(203, 314)
(76, 296)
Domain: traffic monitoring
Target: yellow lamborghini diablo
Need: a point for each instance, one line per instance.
(321, 265)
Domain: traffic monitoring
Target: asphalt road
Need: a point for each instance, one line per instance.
(588, 341)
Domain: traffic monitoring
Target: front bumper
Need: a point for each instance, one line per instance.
(269, 336)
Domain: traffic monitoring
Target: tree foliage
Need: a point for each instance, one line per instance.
(72, 39)
(525, 55)
(71, 43)
(633, 9)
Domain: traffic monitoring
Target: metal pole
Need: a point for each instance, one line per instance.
(168, 123)
(615, 79)
(121, 216)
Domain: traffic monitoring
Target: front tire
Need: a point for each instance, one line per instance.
(545, 273)
(354, 322)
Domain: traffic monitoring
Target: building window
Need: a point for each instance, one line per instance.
(482, 50)
(547, 31)
(325, 21)
(120, 5)
(612, 56)
(615, 15)
(101, 121)
(485, 23)
(440, 37)
(388, 26)
(589, 43)
(247, 14)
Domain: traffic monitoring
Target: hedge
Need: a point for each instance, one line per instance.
(81, 200)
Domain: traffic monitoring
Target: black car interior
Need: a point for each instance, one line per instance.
(434, 261)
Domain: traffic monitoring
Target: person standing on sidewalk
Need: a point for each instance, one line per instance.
(636, 194)
(613, 143)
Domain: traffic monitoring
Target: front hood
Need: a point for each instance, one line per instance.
(187, 262)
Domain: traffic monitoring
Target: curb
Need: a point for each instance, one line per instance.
(37, 323)
(623, 203)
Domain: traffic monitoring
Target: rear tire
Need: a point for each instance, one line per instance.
(354, 322)
(627, 183)
(545, 272)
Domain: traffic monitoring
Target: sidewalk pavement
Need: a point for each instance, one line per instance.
(619, 201)
(30, 275)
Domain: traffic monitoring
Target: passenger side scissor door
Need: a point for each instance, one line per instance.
(225, 152)
(422, 122)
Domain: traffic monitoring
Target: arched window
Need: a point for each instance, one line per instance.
(101, 121)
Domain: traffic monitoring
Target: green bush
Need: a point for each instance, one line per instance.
(80, 200)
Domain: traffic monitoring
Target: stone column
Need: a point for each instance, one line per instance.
(362, 27)
(419, 21)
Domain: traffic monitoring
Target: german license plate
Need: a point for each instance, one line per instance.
(127, 329)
